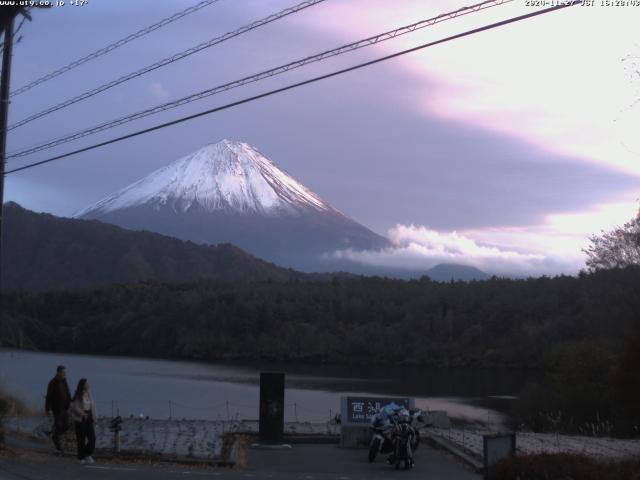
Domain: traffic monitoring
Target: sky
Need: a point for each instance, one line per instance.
(504, 150)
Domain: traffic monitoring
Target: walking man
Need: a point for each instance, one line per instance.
(57, 402)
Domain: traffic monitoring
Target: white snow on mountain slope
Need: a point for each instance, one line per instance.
(227, 175)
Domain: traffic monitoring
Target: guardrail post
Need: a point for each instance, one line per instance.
(115, 426)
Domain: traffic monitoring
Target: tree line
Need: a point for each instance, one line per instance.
(358, 320)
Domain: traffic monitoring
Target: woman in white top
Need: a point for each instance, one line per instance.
(83, 410)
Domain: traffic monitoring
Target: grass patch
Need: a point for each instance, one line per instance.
(9, 405)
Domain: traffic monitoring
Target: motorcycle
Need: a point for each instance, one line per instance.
(403, 438)
(395, 433)
(381, 440)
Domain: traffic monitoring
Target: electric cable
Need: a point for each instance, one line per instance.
(299, 84)
(113, 46)
(166, 61)
(257, 77)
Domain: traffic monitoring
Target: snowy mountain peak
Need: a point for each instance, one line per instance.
(228, 176)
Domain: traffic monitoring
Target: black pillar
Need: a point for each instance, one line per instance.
(271, 408)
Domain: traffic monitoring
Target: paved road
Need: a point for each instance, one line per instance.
(330, 462)
(302, 462)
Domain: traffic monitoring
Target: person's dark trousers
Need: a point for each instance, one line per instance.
(86, 438)
(60, 425)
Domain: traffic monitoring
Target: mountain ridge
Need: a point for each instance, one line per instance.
(42, 251)
(444, 272)
(228, 192)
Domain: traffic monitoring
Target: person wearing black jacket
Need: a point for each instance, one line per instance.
(57, 403)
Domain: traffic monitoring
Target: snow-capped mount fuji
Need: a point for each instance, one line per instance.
(230, 192)
(225, 176)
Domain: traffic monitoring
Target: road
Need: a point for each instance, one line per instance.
(302, 462)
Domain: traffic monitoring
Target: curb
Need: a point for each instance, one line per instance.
(456, 451)
(313, 439)
(234, 453)
(124, 456)
(310, 439)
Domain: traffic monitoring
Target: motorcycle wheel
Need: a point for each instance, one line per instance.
(373, 449)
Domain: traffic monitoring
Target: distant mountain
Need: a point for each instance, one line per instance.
(230, 192)
(41, 251)
(445, 272)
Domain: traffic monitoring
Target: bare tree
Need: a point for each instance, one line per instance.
(615, 249)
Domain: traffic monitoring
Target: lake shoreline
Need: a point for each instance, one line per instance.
(166, 388)
(253, 362)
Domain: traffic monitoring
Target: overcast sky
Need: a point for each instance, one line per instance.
(504, 150)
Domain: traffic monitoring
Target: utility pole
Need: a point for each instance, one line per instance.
(7, 18)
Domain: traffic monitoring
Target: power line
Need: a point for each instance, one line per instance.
(168, 60)
(259, 76)
(299, 84)
(113, 46)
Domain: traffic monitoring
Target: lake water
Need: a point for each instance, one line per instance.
(159, 388)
